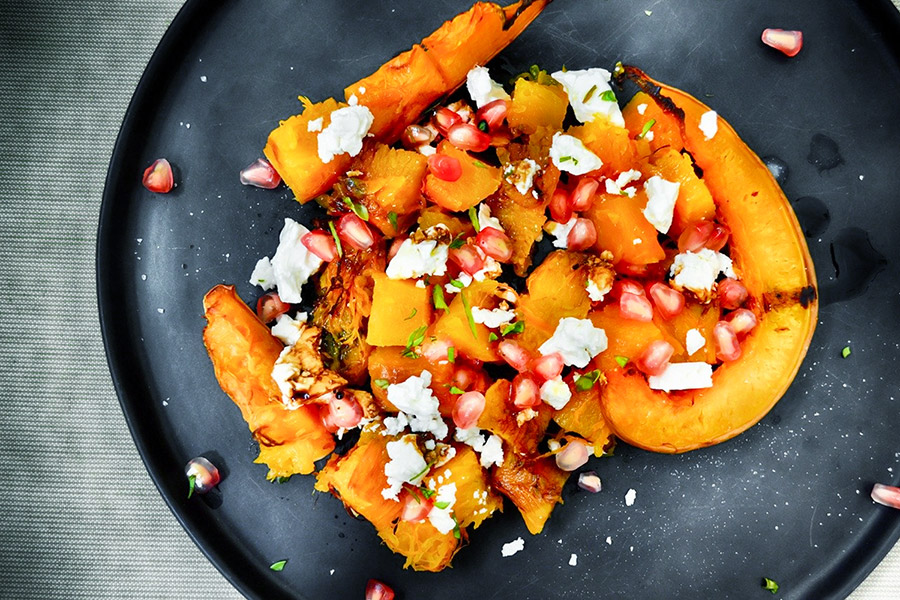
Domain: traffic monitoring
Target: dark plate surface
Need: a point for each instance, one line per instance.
(787, 500)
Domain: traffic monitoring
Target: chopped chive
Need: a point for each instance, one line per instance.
(483, 126)
(451, 354)
(422, 473)
(456, 532)
(513, 328)
(647, 126)
(437, 296)
(478, 163)
(192, 484)
(411, 315)
(382, 383)
(622, 360)
(608, 96)
(428, 493)
(414, 492)
(415, 339)
(361, 211)
(392, 217)
(457, 242)
(845, 352)
(770, 585)
(565, 158)
(278, 566)
(457, 284)
(282, 479)
(473, 216)
(586, 381)
(493, 337)
(337, 240)
(441, 505)
(456, 391)
(590, 93)
(469, 317)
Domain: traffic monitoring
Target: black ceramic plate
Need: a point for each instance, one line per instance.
(786, 500)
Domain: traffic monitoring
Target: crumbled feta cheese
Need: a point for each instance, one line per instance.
(649, 136)
(344, 135)
(630, 495)
(293, 264)
(492, 319)
(709, 124)
(698, 271)
(482, 88)
(569, 154)
(577, 340)
(262, 274)
(406, 466)
(287, 329)
(642, 108)
(442, 518)
(464, 278)
(418, 259)
(586, 95)
(491, 269)
(560, 231)
(609, 540)
(661, 197)
(556, 392)
(415, 398)
(693, 341)
(485, 219)
(513, 547)
(682, 376)
(352, 100)
(522, 175)
(490, 450)
(282, 374)
(573, 560)
(395, 425)
(617, 186)
(594, 292)
(315, 125)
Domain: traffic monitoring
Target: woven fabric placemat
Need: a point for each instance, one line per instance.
(79, 516)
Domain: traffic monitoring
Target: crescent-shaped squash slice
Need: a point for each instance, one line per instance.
(770, 253)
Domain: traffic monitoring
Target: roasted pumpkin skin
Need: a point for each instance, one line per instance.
(770, 253)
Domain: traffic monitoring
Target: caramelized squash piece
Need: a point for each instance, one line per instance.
(533, 484)
(499, 417)
(392, 182)
(665, 127)
(582, 415)
(610, 142)
(523, 225)
(536, 105)
(694, 202)
(399, 308)
(388, 365)
(477, 182)
(623, 230)
(470, 340)
(627, 338)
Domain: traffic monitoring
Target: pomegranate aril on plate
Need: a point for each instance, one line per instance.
(444, 167)
(732, 293)
(634, 307)
(202, 475)
(788, 42)
(582, 236)
(703, 234)
(583, 195)
(321, 243)
(742, 320)
(572, 456)
(466, 136)
(887, 495)
(444, 119)
(467, 258)
(416, 135)
(468, 409)
(270, 306)
(376, 590)
(345, 411)
(549, 366)
(515, 355)
(627, 285)
(158, 177)
(655, 357)
(590, 482)
(260, 174)
(415, 507)
(526, 392)
(669, 303)
(354, 232)
(492, 114)
(728, 348)
(560, 208)
(495, 244)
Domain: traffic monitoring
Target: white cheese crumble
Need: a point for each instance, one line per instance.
(709, 124)
(492, 319)
(630, 495)
(698, 271)
(577, 340)
(642, 108)
(344, 135)
(693, 341)
(482, 88)
(573, 560)
(617, 186)
(464, 278)
(682, 376)
(442, 518)
(661, 197)
(569, 154)
(293, 264)
(415, 398)
(522, 175)
(594, 292)
(263, 275)
(406, 466)
(513, 547)
(560, 231)
(287, 329)
(586, 95)
(315, 125)
(395, 425)
(556, 392)
(489, 450)
(485, 220)
(282, 374)
(418, 259)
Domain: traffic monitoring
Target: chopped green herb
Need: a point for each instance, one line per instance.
(608, 96)
(441, 505)
(451, 354)
(534, 71)
(422, 473)
(382, 383)
(428, 493)
(415, 339)
(456, 532)
(411, 315)
(278, 566)
(483, 126)
(493, 337)
(469, 317)
(590, 93)
(414, 492)
(647, 126)
(337, 240)
(392, 217)
(473, 216)
(437, 296)
(845, 352)
(479, 164)
(455, 390)
(457, 242)
(586, 381)
(622, 360)
(357, 207)
(457, 283)
(565, 158)
(282, 479)
(770, 585)
(513, 328)
(192, 484)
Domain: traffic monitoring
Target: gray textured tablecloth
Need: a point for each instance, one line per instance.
(79, 516)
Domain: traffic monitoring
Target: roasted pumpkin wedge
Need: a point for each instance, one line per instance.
(769, 250)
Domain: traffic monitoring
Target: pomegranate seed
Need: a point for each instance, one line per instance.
(732, 293)
(560, 209)
(582, 236)
(728, 348)
(468, 258)
(261, 174)
(887, 495)
(526, 392)
(416, 135)
(655, 357)
(495, 244)
(466, 136)
(270, 306)
(415, 507)
(204, 475)
(515, 355)
(493, 114)
(626, 286)
(468, 409)
(572, 456)
(788, 42)
(590, 482)
(718, 238)
(376, 590)
(345, 410)
(669, 303)
(703, 234)
(742, 320)
(394, 248)
(548, 367)
(328, 419)
(158, 177)
(353, 231)
(466, 378)
(634, 307)
(444, 167)
(435, 350)
(583, 195)
(321, 243)
(444, 119)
